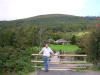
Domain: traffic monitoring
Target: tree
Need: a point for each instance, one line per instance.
(73, 39)
(91, 44)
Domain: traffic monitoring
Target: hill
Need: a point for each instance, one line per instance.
(54, 20)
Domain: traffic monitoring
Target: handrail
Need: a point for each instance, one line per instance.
(69, 55)
(60, 62)
(35, 61)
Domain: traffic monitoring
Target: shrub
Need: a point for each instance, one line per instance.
(15, 60)
(91, 44)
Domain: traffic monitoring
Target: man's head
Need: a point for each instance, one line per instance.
(46, 45)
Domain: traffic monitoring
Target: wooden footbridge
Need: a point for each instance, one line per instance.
(62, 62)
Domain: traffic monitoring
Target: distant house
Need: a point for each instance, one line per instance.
(62, 41)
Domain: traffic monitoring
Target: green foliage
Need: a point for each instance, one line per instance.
(57, 35)
(91, 45)
(58, 22)
(15, 60)
(20, 37)
(51, 41)
(37, 30)
(73, 40)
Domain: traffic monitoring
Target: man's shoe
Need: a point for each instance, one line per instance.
(46, 70)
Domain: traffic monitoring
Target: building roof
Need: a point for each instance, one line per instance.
(61, 40)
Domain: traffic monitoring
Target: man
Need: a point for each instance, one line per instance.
(46, 53)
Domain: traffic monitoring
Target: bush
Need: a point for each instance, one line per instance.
(73, 40)
(15, 60)
(91, 44)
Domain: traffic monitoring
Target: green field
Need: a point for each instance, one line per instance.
(65, 48)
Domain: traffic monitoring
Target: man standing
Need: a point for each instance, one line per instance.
(46, 53)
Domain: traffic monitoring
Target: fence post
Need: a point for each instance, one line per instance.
(84, 59)
(36, 65)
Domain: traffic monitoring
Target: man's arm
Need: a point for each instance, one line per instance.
(41, 51)
(51, 51)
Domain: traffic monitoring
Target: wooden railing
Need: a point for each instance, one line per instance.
(68, 55)
(61, 55)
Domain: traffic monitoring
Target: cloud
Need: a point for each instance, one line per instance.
(15, 9)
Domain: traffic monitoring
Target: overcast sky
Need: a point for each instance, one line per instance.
(17, 9)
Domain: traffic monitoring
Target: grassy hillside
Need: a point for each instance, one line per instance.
(53, 20)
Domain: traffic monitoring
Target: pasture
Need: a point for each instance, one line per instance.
(65, 48)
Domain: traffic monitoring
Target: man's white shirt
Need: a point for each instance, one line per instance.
(46, 51)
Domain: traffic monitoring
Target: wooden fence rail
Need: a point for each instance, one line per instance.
(36, 61)
(67, 55)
